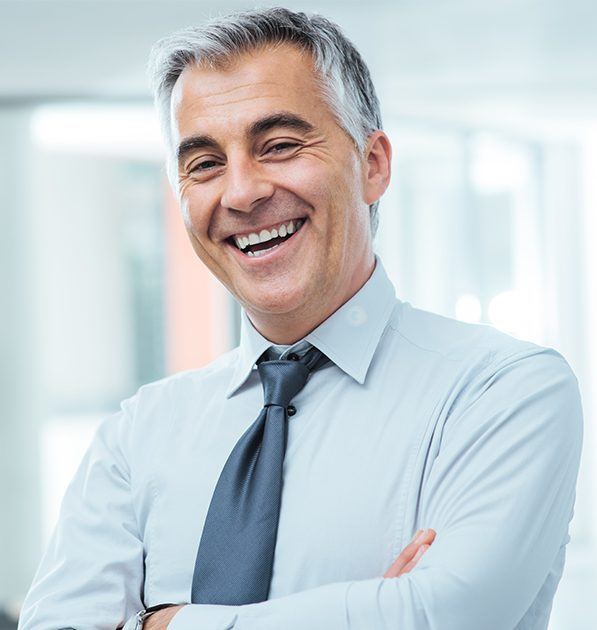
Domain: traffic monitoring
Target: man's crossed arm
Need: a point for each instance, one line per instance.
(500, 493)
(404, 563)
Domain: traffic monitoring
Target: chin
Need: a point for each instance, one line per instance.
(275, 302)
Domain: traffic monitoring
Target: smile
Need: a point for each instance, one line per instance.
(258, 244)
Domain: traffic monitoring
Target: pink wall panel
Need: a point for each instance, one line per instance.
(196, 303)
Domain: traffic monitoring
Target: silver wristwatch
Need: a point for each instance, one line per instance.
(136, 621)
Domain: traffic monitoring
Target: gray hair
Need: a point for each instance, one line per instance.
(342, 74)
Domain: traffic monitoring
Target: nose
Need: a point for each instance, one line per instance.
(245, 184)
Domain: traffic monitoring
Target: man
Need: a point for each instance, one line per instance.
(375, 419)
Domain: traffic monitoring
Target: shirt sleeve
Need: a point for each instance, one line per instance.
(91, 574)
(500, 494)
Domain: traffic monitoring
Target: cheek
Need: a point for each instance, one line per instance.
(194, 214)
(333, 199)
(310, 181)
(185, 212)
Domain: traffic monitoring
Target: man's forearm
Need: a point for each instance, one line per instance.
(404, 563)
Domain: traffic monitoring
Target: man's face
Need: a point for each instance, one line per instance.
(261, 156)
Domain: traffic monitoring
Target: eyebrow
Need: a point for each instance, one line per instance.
(278, 119)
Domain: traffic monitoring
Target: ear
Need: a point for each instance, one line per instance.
(378, 166)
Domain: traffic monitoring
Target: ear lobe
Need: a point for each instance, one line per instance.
(379, 166)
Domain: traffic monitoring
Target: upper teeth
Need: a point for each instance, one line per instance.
(266, 235)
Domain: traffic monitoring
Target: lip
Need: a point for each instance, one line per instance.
(284, 249)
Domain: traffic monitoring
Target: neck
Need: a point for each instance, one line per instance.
(288, 328)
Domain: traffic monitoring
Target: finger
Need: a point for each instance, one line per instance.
(413, 563)
(407, 554)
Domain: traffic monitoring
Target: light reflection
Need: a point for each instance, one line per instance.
(114, 130)
(468, 308)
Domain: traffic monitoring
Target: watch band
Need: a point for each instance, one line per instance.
(136, 622)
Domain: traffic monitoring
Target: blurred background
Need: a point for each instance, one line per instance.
(491, 217)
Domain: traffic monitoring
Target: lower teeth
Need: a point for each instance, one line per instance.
(262, 251)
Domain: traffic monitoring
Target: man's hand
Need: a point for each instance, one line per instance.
(412, 553)
(160, 619)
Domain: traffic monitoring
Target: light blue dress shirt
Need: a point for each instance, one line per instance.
(420, 421)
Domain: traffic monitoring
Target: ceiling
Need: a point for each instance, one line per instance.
(506, 58)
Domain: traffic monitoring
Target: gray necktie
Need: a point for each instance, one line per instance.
(236, 553)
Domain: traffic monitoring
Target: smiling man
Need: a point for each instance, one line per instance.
(273, 488)
(273, 193)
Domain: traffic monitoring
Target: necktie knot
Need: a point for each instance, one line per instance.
(282, 380)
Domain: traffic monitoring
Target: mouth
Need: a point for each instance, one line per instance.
(257, 244)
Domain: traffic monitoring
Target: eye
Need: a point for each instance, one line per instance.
(281, 147)
(206, 165)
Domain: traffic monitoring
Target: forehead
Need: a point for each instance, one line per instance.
(253, 84)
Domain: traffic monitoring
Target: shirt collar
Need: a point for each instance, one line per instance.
(348, 337)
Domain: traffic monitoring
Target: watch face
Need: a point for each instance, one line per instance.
(140, 616)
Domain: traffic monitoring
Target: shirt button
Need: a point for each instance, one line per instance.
(291, 409)
(293, 357)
